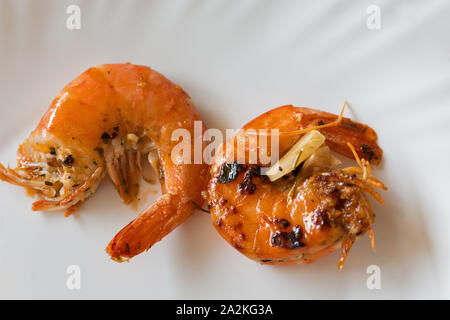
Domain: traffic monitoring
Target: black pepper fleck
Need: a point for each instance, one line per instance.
(248, 186)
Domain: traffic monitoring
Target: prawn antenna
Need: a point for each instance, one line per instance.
(358, 160)
(318, 127)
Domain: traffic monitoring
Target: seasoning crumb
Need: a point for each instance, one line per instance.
(69, 160)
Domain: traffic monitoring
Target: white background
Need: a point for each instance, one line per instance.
(237, 59)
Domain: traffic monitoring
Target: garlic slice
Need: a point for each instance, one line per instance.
(299, 152)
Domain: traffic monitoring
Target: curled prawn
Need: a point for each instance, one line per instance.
(109, 121)
(305, 215)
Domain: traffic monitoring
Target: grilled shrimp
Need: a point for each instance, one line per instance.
(108, 121)
(307, 214)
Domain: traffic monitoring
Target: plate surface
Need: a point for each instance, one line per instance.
(237, 59)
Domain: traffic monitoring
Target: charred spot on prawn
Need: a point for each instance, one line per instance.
(321, 218)
(229, 172)
(289, 240)
(248, 186)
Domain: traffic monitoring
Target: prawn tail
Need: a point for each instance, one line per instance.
(149, 227)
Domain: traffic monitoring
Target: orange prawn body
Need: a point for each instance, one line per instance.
(107, 122)
(274, 223)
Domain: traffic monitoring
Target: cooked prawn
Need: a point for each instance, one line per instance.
(107, 122)
(307, 214)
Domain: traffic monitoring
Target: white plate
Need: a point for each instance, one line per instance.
(237, 59)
